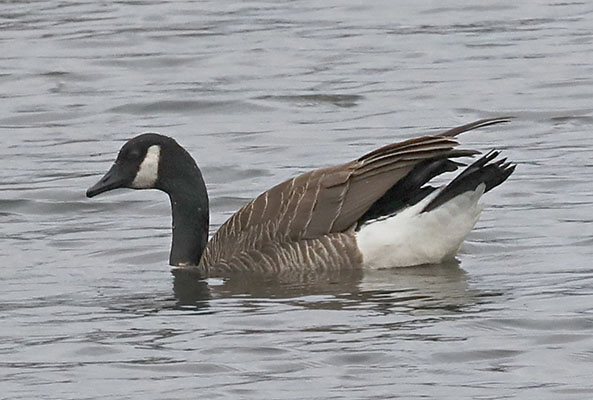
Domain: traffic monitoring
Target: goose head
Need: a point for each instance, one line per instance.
(154, 161)
(138, 164)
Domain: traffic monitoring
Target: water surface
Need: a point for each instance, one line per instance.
(259, 92)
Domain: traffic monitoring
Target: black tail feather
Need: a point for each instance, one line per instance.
(484, 170)
(410, 189)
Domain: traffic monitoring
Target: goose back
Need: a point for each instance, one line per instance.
(309, 221)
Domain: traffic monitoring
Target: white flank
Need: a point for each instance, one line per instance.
(414, 238)
(148, 172)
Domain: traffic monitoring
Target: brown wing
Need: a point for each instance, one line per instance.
(328, 200)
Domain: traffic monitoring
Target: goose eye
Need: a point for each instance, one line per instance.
(131, 155)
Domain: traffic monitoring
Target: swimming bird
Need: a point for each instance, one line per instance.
(376, 211)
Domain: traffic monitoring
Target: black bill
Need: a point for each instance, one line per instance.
(115, 178)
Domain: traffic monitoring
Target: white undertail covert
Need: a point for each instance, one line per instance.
(412, 237)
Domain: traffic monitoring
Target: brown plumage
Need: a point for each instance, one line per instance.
(309, 221)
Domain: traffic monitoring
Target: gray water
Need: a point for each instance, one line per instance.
(259, 92)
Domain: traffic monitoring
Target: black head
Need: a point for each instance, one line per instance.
(153, 161)
(138, 164)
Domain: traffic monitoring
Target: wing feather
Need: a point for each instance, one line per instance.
(327, 200)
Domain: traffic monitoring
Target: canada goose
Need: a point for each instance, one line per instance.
(376, 211)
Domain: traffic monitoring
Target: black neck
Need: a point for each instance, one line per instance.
(189, 202)
(190, 229)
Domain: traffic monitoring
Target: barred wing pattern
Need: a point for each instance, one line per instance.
(309, 220)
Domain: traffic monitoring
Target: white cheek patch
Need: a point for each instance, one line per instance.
(148, 172)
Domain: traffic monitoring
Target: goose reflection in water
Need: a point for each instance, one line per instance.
(429, 289)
